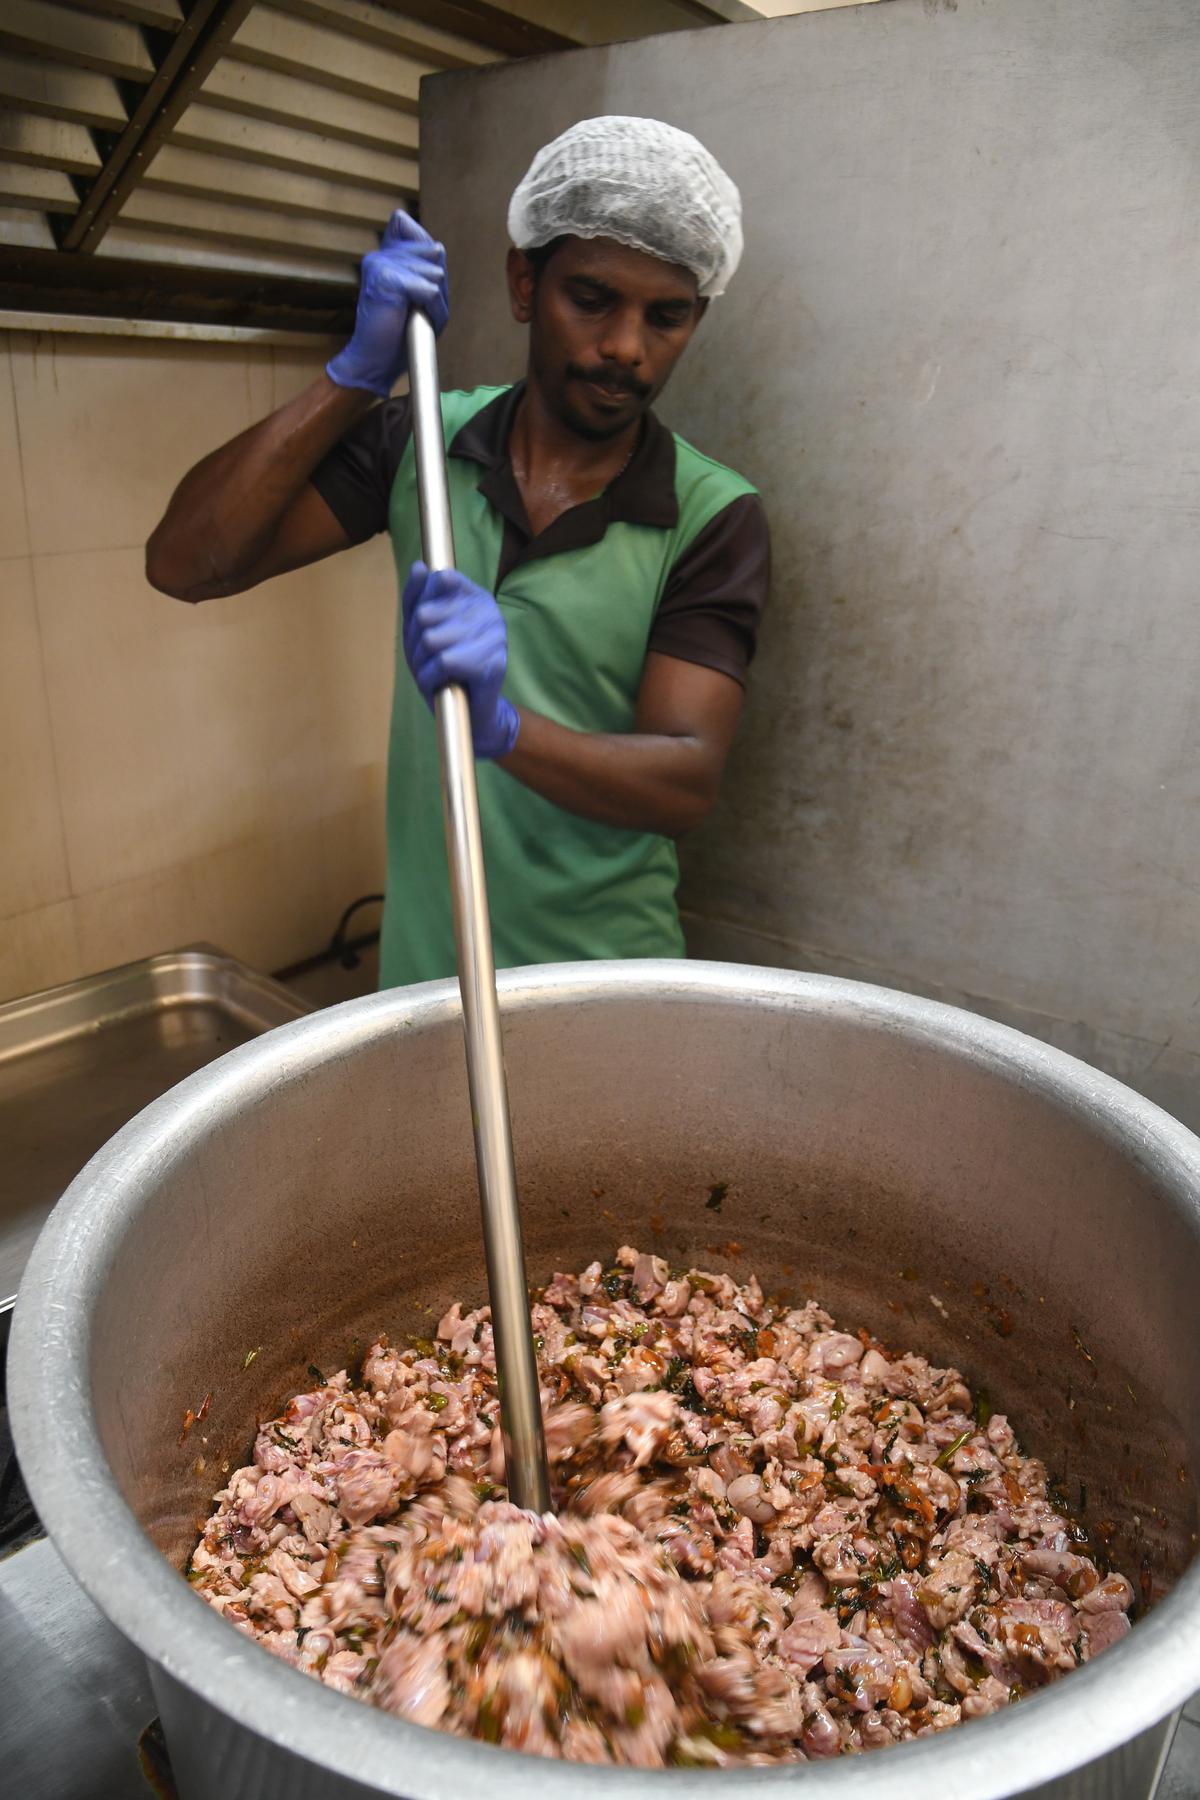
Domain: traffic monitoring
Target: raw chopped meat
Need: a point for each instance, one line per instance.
(773, 1540)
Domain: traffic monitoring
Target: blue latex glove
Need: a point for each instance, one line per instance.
(454, 635)
(409, 269)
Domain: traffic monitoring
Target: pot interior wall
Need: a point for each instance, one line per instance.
(939, 1199)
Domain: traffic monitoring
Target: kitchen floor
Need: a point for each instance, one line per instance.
(1181, 1777)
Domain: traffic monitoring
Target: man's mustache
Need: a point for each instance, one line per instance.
(612, 382)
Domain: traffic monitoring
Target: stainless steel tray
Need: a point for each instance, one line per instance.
(78, 1061)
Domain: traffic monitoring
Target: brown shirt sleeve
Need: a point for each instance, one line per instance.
(355, 478)
(715, 595)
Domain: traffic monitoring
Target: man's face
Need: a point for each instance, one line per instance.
(607, 326)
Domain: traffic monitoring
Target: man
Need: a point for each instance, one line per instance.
(610, 580)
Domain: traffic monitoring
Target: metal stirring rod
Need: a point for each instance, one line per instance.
(516, 1365)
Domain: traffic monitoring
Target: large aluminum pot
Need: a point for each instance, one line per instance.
(950, 1184)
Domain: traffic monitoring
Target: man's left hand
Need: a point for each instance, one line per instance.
(454, 635)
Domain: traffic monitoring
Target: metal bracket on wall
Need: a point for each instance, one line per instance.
(200, 41)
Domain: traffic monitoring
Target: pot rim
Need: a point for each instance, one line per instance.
(1132, 1687)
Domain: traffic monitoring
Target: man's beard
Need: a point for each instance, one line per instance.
(594, 431)
(616, 384)
(600, 431)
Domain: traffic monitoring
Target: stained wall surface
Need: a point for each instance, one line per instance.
(961, 362)
(171, 773)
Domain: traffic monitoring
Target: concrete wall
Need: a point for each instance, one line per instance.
(169, 772)
(961, 360)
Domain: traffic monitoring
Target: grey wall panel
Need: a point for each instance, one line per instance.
(961, 360)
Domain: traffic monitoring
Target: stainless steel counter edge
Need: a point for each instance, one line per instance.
(196, 973)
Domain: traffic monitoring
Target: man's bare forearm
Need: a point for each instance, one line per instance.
(220, 526)
(640, 781)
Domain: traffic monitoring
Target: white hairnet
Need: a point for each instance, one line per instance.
(641, 182)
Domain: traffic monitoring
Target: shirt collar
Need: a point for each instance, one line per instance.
(642, 494)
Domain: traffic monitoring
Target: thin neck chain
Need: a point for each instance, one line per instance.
(522, 474)
(613, 482)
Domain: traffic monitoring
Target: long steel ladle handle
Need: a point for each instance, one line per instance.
(516, 1365)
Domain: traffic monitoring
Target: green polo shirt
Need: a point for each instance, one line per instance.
(583, 603)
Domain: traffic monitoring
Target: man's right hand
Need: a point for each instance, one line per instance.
(408, 270)
(454, 633)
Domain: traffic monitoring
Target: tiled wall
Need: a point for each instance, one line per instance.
(168, 772)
